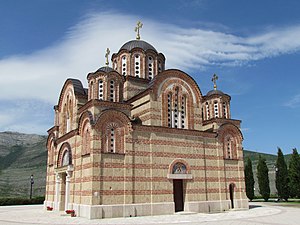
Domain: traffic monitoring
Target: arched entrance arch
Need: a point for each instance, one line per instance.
(63, 174)
(179, 172)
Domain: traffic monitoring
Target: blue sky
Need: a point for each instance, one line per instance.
(253, 46)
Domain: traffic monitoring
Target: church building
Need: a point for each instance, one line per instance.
(143, 140)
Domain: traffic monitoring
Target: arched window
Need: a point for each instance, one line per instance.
(150, 67)
(169, 110)
(68, 122)
(124, 66)
(69, 114)
(111, 142)
(86, 141)
(101, 95)
(51, 153)
(64, 155)
(92, 90)
(137, 66)
(112, 91)
(159, 66)
(115, 65)
(224, 110)
(183, 112)
(176, 109)
(229, 147)
(216, 109)
(207, 111)
(113, 139)
(66, 158)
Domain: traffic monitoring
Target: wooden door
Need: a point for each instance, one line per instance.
(178, 195)
(231, 192)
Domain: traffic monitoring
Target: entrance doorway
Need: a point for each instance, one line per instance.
(178, 195)
(231, 193)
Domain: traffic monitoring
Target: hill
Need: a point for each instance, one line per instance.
(20, 156)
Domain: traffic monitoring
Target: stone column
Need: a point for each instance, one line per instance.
(67, 193)
(57, 191)
(173, 119)
(179, 120)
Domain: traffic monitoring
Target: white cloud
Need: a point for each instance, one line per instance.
(27, 116)
(40, 75)
(294, 102)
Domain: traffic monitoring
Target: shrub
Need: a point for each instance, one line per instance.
(22, 201)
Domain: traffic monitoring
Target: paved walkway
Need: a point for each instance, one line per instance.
(259, 213)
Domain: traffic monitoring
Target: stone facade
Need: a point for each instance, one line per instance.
(143, 140)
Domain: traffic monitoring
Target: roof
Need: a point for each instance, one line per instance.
(105, 69)
(214, 92)
(137, 44)
(78, 88)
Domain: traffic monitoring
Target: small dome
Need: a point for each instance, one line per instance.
(214, 92)
(105, 69)
(137, 44)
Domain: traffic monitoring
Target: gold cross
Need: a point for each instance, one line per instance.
(106, 56)
(214, 79)
(139, 25)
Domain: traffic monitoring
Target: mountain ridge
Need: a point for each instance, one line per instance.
(20, 156)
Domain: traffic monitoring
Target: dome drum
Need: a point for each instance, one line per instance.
(138, 58)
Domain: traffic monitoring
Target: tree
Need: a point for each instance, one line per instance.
(249, 180)
(263, 178)
(294, 174)
(282, 181)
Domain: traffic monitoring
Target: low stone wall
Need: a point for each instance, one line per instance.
(215, 206)
(148, 209)
(128, 210)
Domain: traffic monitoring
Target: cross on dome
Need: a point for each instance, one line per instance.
(139, 25)
(214, 80)
(106, 56)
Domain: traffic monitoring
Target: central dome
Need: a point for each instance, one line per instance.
(137, 44)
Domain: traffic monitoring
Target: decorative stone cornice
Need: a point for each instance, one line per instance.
(209, 134)
(221, 121)
(105, 104)
(67, 136)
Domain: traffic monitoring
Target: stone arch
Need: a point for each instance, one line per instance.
(176, 86)
(110, 116)
(179, 162)
(66, 109)
(73, 85)
(64, 149)
(231, 138)
(85, 131)
(51, 146)
(50, 138)
(180, 76)
(113, 126)
(85, 117)
(231, 129)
